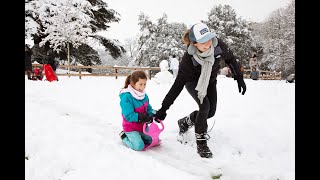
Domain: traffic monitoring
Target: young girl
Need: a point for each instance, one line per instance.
(136, 110)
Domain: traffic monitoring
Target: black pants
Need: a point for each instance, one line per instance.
(206, 110)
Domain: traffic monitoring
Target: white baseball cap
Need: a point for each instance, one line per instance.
(201, 33)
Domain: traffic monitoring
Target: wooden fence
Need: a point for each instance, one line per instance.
(264, 75)
(116, 71)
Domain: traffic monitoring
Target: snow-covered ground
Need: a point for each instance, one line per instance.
(72, 127)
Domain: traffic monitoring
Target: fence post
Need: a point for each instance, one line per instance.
(149, 72)
(280, 77)
(116, 73)
(79, 73)
(274, 74)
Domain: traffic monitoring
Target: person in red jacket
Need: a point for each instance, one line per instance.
(198, 71)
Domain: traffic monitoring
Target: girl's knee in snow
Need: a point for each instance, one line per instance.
(138, 146)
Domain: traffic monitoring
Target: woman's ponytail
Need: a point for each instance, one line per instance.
(127, 82)
(185, 37)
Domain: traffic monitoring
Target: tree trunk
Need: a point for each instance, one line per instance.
(68, 58)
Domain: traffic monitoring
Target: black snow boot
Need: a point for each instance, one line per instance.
(202, 147)
(122, 135)
(185, 124)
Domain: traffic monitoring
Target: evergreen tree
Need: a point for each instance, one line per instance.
(236, 32)
(55, 24)
(277, 36)
(86, 56)
(158, 41)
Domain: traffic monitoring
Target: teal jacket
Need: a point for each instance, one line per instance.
(130, 107)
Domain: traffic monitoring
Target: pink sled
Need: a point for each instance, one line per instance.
(153, 131)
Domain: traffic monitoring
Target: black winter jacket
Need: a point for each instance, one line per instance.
(190, 70)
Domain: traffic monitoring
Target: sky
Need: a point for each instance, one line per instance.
(72, 131)
(183, 11)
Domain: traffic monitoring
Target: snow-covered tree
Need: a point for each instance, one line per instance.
(131, 46)
(158, 41)
(234, 31)
(59, 23)
(67, 24)
(277, 36)
(108, 60)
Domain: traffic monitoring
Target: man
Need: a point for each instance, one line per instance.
(253, 63)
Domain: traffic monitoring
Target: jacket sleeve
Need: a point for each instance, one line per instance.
(230, 60)
(127, 109)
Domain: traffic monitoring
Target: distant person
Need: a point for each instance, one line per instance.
(27, 61)
(174, 66)
(37, 74)
(290, 78)
(254, 74)
(253, 62)
(51, 60)
(198, 72)
(135, 110)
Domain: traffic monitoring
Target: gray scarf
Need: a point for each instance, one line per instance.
(206, 60)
